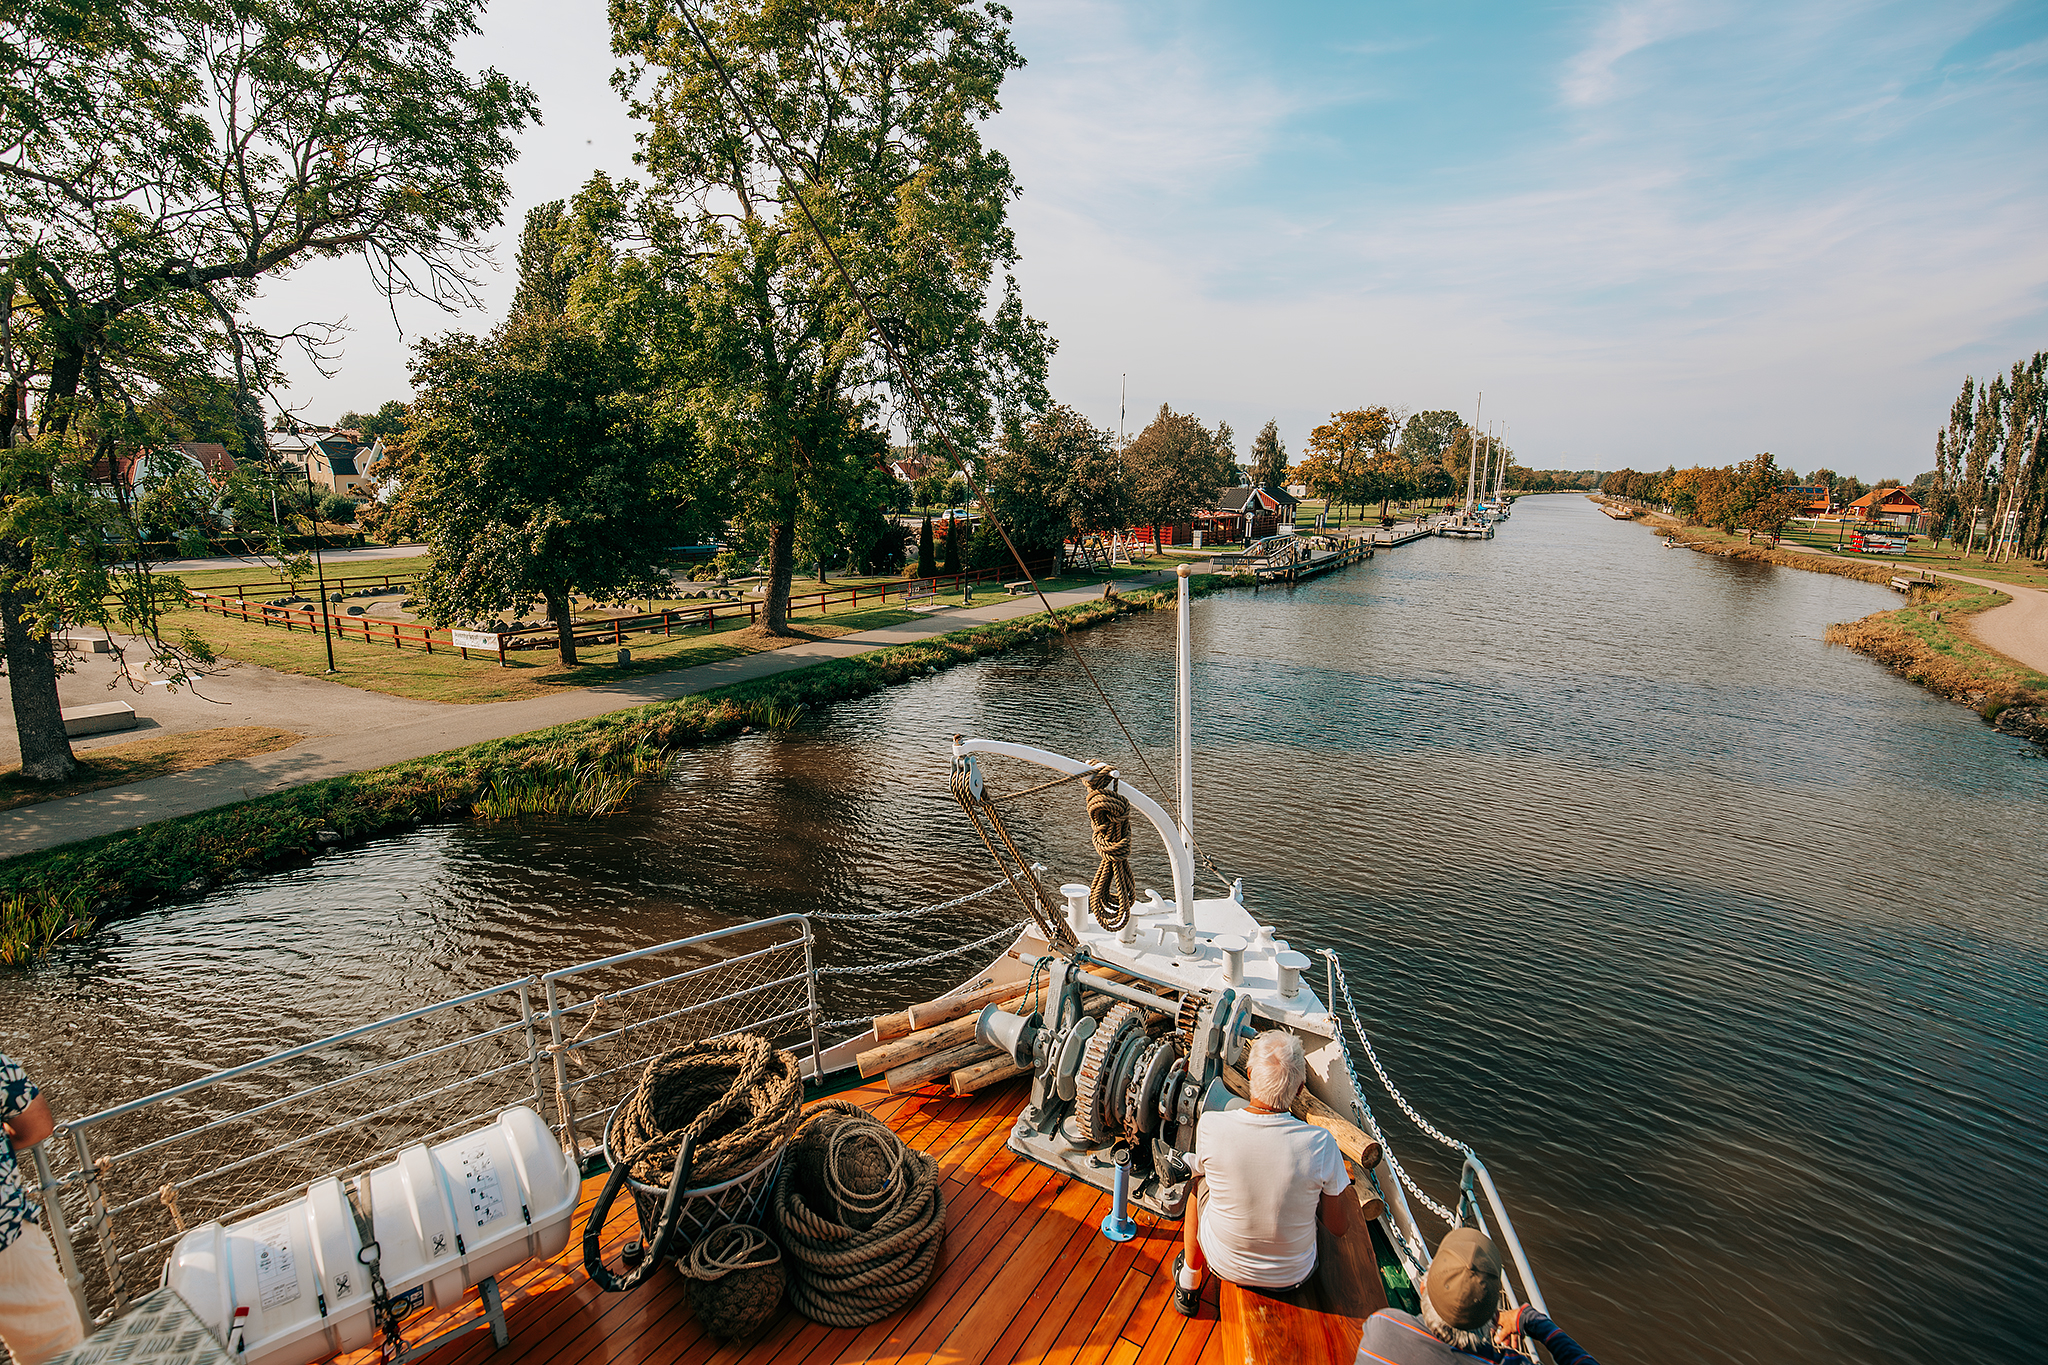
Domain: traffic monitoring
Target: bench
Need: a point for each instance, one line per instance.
(1021, 585)
(922, 587)
(102, 719)
(1323, 1320)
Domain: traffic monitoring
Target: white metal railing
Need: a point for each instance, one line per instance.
(121, 1186)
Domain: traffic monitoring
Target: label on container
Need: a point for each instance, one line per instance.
(480, 1178)
(277, 1273)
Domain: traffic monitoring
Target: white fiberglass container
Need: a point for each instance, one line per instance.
(446, 1218)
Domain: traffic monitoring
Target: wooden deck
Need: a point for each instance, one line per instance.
(1026, 1276)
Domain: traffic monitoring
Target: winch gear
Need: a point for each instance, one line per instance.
(1141, 1093)
(1092, 1080)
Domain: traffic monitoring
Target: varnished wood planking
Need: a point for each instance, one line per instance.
(1025, 1276)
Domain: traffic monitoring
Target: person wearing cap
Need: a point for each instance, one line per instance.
(1461, 1316)
(38, 1316)
(1262, 1177)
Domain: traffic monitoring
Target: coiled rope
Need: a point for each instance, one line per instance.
(1109, 826)
(703, 1114)
(739, 1097)
(734, 1280)
(862, 1216)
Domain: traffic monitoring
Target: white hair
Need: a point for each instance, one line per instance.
(1275, 1068)
(1476, 1343)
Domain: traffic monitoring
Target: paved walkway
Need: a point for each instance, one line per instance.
(375, 730)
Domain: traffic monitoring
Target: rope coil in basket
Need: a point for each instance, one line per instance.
(703, 1114)
(863, 1217)
(735, 1280)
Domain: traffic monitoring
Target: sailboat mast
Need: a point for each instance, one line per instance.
(1472, 451)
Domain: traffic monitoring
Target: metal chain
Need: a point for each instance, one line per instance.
(1386, 1148)
(1420, 1122)
(869, 969)
(955, 903)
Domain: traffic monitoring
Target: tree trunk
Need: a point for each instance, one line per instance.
(781, 567)
(32, 684)
(565, 625)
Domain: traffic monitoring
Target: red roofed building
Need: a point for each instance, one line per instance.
(1889, 506)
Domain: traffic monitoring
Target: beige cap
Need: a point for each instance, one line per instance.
(1464, 1279)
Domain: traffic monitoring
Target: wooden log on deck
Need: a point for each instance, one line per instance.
(911, 1075)
(1353, 1141)
(982, 1075)
(910, 1048)
(969, 1002)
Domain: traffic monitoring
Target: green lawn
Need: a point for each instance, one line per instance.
(1921, 553)
(446, 676)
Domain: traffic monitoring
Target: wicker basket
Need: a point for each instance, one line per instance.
(742, 1199)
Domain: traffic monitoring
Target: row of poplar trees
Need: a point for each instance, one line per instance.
(680, 354)
(1990, 488)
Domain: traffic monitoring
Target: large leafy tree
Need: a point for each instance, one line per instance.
(1176, 467)
(1427, 437)
(158, 160)
(1340, 451)
(1052, 476)
(538, 474)
(795, 146)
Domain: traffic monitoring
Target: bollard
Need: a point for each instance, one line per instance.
(1117, 1224)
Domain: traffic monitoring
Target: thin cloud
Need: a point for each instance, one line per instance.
(1590, 76)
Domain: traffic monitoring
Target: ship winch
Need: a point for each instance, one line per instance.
(1115, 1065)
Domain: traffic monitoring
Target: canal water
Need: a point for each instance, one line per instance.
(1723, 947)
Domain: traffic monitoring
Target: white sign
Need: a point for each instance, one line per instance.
(277, 1275)
(480, 1176)
(473, 639)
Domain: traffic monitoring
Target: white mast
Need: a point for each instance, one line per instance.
(1185, 716)
(1472, 452)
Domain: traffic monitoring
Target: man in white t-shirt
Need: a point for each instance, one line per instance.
(1261, 1177)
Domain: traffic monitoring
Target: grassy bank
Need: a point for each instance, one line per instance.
(574, 768)
(1924, 642)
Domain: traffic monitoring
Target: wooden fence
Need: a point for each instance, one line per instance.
(611, 630)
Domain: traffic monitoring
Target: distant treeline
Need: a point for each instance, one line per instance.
(1988, 490)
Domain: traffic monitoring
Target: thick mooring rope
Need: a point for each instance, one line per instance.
(862, 1216)
(1109, 825)
(738, 1097)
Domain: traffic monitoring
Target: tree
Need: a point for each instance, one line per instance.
(159, 160)
(538, 475)
(1334, 467)
(794, 146)
(1176, 467)
(1050, 477)
(388, 421)
(1427, 437)
(1269, 458)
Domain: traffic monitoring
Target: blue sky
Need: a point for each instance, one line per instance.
(1651, 232)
